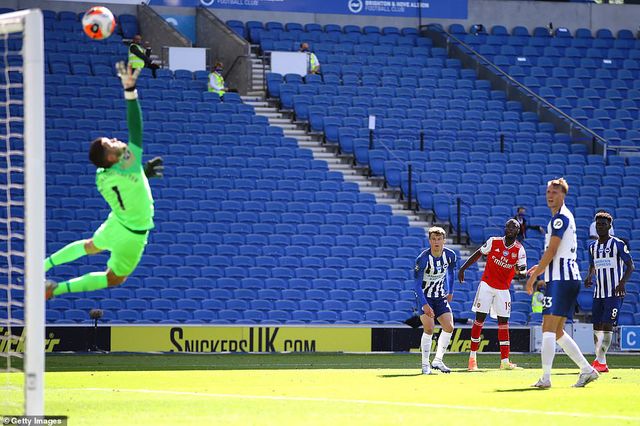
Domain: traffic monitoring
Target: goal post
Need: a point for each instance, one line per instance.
(22, 149)
(33, 50)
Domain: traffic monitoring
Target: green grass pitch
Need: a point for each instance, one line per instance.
(329, 389)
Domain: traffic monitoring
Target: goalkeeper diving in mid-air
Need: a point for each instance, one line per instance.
(122, 181)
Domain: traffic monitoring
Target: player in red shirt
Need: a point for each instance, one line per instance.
(505, 258)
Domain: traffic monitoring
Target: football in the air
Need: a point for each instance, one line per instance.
(98, 23)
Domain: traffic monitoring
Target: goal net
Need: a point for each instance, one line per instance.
(22, 201)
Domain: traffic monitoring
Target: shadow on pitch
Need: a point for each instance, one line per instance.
(391, 376)
(527, 389)
(464, 370)
(394, 376)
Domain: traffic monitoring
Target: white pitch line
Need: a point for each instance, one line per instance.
(359, 401)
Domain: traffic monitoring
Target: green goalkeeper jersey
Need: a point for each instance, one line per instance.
(124, 185)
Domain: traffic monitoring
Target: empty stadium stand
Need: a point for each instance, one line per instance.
(251, 229)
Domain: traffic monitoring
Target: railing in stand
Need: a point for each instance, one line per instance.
(482, 60)
(233, 64)
(458, 220)
(410, 182)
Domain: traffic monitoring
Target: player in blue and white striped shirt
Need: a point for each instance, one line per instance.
(608, 258)
(434, 273)
(563, 284)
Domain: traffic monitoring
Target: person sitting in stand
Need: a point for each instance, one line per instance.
(216, 80)
(537, 300)
(522, 220)
(140, 57)
(313, 65)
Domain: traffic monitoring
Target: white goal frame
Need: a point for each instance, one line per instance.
(30, 24)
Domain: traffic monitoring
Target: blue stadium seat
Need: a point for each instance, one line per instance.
(153, 315)
(243, 210)
(585, 300)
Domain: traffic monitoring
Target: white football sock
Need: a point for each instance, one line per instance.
(472, 354)
(443, 343)
(601, 355)
(425, 347)
(597, 340)
(571, 348)
(548, 352)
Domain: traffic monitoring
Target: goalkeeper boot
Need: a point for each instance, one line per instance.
(542, 383)
(49, 286)
(473, 364)
(437, 364)
(585, 378)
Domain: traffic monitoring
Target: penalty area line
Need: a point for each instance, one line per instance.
(357, 401)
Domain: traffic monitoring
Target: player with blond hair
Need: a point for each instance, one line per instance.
(434, 272)
(560, 268)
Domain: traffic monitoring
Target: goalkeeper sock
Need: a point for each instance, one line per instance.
(571, 348)
(66, 254)
(601, 354)
(443, 343)
(548, 352)
(425, 346)
(88, 282)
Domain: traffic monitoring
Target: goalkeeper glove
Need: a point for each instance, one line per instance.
(128, 77)
(154, 168)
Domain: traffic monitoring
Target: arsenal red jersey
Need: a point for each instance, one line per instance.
(502, 262)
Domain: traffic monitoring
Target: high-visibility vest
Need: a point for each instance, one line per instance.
(536, 305)
(135, 61)
(219, 84)
(314, 64)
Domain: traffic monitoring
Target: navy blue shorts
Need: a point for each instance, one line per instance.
(606, 310)
(560, 298)
(440, 305)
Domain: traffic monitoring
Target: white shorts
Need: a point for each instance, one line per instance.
(489, 299)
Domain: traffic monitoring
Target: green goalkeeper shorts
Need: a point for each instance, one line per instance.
(126, 246)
